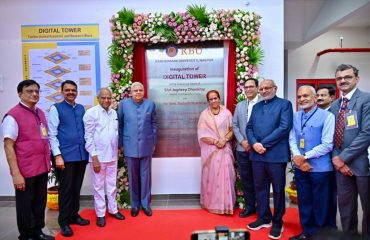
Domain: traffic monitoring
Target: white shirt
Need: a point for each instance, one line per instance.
(250, 106)
(101, 133)
(10, 126)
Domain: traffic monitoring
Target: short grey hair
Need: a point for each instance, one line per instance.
(270, 80)
(134, 84)
(309, 87)
(104, 89)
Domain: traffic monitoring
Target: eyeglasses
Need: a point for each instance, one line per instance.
(249, 87)
(265, 89)
(30, 91)
(345, 78)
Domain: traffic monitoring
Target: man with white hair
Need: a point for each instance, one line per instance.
(311, 141)
(101, 136)
(138, 136)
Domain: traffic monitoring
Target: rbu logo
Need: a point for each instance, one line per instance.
(191, 51)
(171, 51)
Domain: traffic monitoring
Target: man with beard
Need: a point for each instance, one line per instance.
(325, 96)
(268, 134)
(311, 141)
(66, 136)
(350, 156)
(242, 114)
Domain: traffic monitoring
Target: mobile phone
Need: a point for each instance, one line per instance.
(233, 234)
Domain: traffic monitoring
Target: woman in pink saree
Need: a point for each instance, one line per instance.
(218, 173)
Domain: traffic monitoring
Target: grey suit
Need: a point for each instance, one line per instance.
(354, 152)
(244, 164)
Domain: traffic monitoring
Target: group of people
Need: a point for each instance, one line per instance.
(327, 141)
(70, 138)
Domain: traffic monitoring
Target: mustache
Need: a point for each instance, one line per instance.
(320, 100)
(344, 84)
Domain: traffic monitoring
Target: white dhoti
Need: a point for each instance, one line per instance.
(104, 183)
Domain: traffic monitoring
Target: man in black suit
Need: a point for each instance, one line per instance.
(350, 156)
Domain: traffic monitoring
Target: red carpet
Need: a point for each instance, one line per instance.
(172, 225)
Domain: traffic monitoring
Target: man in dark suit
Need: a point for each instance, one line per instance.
(242, 114)
(325, 96)
(268, 134)
(350, 156)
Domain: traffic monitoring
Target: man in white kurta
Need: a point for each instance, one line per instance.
(101, 135)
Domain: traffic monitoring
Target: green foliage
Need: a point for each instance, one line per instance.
(256, 55)
(126, 16)
(200, 14)
(166, 32)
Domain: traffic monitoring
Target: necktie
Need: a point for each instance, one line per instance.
(339, 127)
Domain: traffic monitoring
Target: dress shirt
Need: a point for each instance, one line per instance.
(101, 133)
(250, 106)
(326, 138)
(10, 126)
(53, 123)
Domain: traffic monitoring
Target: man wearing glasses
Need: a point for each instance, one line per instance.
(242, 114)
(27, 151)
(350, 156)
(268, 134)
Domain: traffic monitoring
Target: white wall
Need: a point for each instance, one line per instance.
(14, 13)
(303, 63)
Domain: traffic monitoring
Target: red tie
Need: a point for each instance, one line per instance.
(339, 127)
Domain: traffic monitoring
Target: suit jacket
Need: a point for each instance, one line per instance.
(240, 122)
(355, 141)
(137, 127)
(270, 124)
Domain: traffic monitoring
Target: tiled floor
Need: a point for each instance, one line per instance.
(9, 231)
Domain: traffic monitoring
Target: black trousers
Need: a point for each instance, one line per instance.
(71, 179)
(30, 206)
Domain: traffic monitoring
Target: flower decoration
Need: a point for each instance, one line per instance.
(193, 25)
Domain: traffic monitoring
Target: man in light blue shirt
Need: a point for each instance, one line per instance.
(311, 141)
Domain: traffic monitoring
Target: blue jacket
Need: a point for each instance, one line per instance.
(270, 124)
(137, 127)
(71, 132)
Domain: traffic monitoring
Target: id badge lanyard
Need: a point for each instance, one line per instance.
(303, 125)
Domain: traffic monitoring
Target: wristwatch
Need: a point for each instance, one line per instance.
(305, 157)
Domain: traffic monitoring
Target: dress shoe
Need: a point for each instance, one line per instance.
(100, 221)
(246, 212)
(134, 211)
(81, 221)
(118, 216)
(43, 236)
(301, 236)
(66, 231)
(148, 211)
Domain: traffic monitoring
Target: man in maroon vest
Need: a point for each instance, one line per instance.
(28, 154)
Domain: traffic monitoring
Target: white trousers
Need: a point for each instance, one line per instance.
(104, 182)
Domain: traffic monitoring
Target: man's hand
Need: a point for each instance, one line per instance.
(298, 160)
(96, 163)
(246, 145)
(18, 181)
(338, 162)
(346, 171)
(305, 167)
(258, 147)
(59, 162)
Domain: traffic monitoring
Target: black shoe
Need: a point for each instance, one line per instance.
(81, 221)
(134, 211)
(66, 231)
(276, 231)
(100, 221)
(258, 224)
(118, 216)
(148, 211)
(301, 236)
(246, 212)
(43, 236)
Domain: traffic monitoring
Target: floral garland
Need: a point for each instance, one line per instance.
(194, 25)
